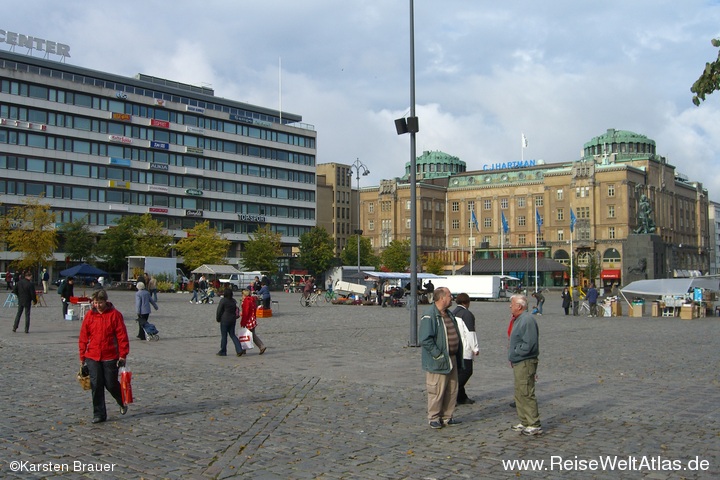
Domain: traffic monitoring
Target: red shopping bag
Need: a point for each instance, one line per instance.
(125, 385)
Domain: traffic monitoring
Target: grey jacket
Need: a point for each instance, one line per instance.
(524, 339)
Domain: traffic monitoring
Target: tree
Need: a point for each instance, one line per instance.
(152, 238)
(119, 242)
(434, 265)
(709, 81)
(203, 245)
(349, 254)
(396, 257)
(30, 230)
(262, 251)
(316, 250)
(79, 240)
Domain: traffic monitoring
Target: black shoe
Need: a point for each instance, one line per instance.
(14, 330)
(436, 424)
(466, 401)
(221, 354)
(241, 353)
(513, 405)
(123, 409)
(452, 421)
(26, 331)
(98, 420)
(262, 350)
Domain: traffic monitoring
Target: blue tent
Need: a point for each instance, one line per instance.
(82, 270)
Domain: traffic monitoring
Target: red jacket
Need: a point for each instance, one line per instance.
(103, 336)
(249, 313)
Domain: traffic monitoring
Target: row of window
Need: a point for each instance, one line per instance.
(150, 177)
(36, 91)
(109, 219)
(149, 199)
(52, 142)
(77, 122)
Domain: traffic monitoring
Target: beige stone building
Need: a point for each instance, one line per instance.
(619, 173)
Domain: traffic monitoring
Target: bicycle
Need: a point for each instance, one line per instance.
(330, 296)
(309, 300)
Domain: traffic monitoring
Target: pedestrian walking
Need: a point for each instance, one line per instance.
(45, 280)
(143, 301)
(153, 287)
(25, 291)
(227, 315)
(248, 318)
(592, 298)
(103, 346)
(566, 300)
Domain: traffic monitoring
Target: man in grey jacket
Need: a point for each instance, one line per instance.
(523, 354)
(442, 356)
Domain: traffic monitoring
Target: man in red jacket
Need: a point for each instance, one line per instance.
(103, 347)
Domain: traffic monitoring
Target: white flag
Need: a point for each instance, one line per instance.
(524, 141)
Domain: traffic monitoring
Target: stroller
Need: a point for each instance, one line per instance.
(207, 295)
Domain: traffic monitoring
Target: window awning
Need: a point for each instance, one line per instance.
(610, 274)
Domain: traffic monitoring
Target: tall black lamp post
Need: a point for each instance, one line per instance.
(359, 168)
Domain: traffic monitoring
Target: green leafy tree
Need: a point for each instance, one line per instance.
(203, 245)
(262, 251)
(434, 265)
(79, 240)
(709, 81)
(30, 230)
(396, 257)
(152, 238)
(316, 250)
(120, 241)
(349, 254)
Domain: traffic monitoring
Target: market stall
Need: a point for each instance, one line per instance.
(684, 297)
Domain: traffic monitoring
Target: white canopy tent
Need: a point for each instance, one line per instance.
(216, 270)
(670, 286)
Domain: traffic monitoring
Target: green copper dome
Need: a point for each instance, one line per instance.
(620, 142)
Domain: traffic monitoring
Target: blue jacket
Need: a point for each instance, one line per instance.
(264, 292)
(592, 295)
(524, 339)
(433, 338)
(143, 300)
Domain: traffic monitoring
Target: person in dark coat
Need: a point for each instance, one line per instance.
(566, 300)
(225, 316)
(66, 290)
(25, 291)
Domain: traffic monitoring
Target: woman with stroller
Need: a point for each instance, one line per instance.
(249, 318)
(225, 316)
(143, 300)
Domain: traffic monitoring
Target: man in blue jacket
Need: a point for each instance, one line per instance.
(523, 354)
(592, 298)
(442, 356)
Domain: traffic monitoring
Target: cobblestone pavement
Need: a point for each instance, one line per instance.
(340, 395)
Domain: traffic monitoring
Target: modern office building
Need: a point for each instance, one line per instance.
(99, 146)
(603, 191)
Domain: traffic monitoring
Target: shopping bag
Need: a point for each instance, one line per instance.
(245, 337)
(125, 377)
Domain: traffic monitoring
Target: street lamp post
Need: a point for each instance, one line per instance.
(359, 167)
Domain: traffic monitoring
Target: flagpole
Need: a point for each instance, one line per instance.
(502, 255)
(537, 216)
(471, 240)
(522, 147)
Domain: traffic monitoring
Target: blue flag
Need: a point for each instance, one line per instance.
(474, 221)
(537, 218)
(506, 227)
(573, 219)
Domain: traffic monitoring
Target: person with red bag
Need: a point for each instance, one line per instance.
(103, 345)
(248, 318)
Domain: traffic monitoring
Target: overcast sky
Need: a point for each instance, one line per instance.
(559, 71)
